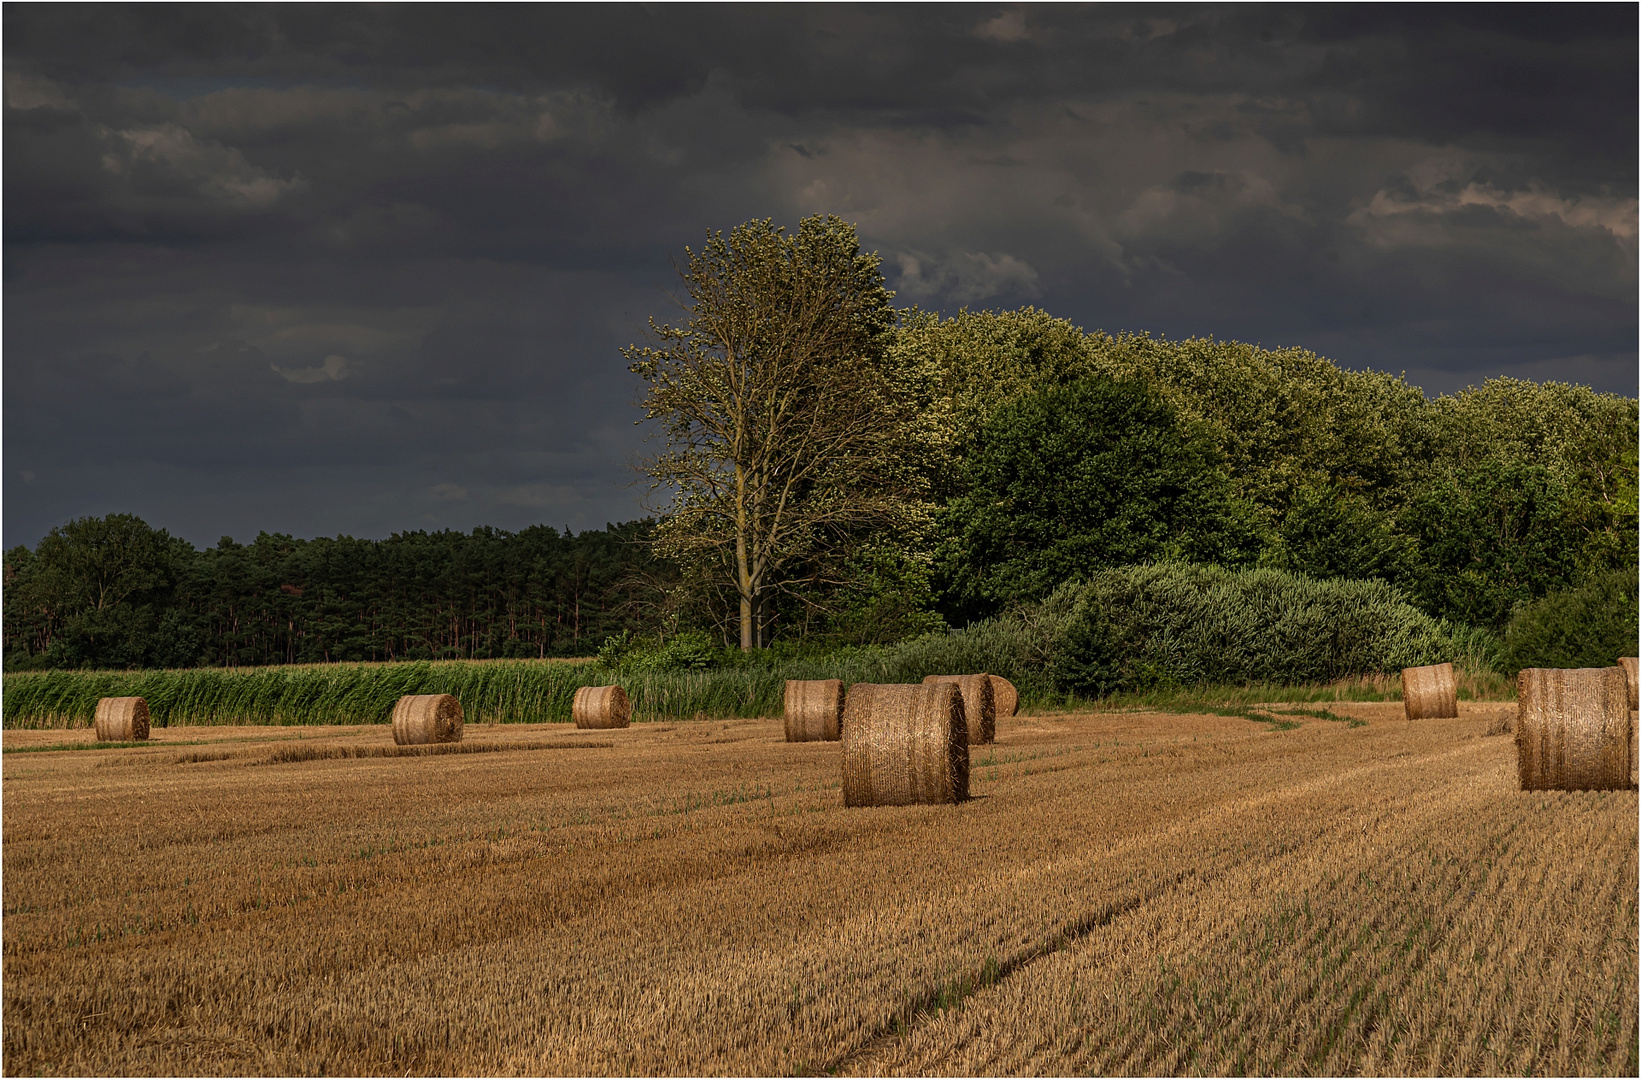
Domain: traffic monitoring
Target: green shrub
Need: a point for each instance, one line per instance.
(692, 650)
(1591, 625)
(1168, 625)
(615, 649)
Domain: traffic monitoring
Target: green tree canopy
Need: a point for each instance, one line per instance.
(1472, 502)
(1082, 476)
(91, 590)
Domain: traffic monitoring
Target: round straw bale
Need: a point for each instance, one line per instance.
(1573, 729)
(1429, 693)
(419, 719)
(904, 744)
(1004, 696)
(1628, 664)
(979, 707)
(122, 719)
(814, 710)
(601, 707)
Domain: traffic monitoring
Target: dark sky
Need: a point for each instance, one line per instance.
(324, 269)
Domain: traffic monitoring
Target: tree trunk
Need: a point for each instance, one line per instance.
(743, 568)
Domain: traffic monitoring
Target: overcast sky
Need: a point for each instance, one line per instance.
(323, 269)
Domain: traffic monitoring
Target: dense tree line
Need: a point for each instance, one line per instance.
(114, 592)
(838, 471)
(1055, 454)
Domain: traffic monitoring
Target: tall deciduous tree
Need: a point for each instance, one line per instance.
(780, 415)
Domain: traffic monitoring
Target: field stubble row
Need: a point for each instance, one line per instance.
(1126, 893)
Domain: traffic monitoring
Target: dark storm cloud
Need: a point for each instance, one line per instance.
(320, 269)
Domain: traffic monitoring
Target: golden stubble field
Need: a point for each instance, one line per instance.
(1127, 893)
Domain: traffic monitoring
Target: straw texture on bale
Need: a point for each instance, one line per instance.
(122, 719)
(1574, 730)
(979, 707)
(904, 744)
(1005, 698)
(814, 710)
(1635, 746)
(601, 707)
(1628, 663)
(1430, 693)
(422, 719)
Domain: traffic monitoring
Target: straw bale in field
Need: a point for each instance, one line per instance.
(420, 719)
(122, 719)
(979, 706)
(1574, 729)
(1628, 664)
(904, 744)
(601, 707)
(1430, 693)
(1004, 696)
(814, 710)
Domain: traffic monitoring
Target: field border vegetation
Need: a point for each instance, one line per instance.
(534, 691)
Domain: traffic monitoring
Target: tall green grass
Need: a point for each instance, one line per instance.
(308, 694)
(501, 691)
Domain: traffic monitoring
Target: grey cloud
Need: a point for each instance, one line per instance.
(208, 208)
(171, 159)
(963, 278)
(334, 369)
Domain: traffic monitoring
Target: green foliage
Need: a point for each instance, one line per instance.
(94, 587)
(1170, 625)
(1082, 476)
(691, 650)
(1591, 625)
(615, 649)
(1531, 489)
(1331, 531)
(1280, 420)
(959, 371)
(885, 593)
(1493, 535)
(1476, 650)
(1471, 502)
(1284, 419)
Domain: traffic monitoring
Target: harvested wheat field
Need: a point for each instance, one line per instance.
(1124, 893)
